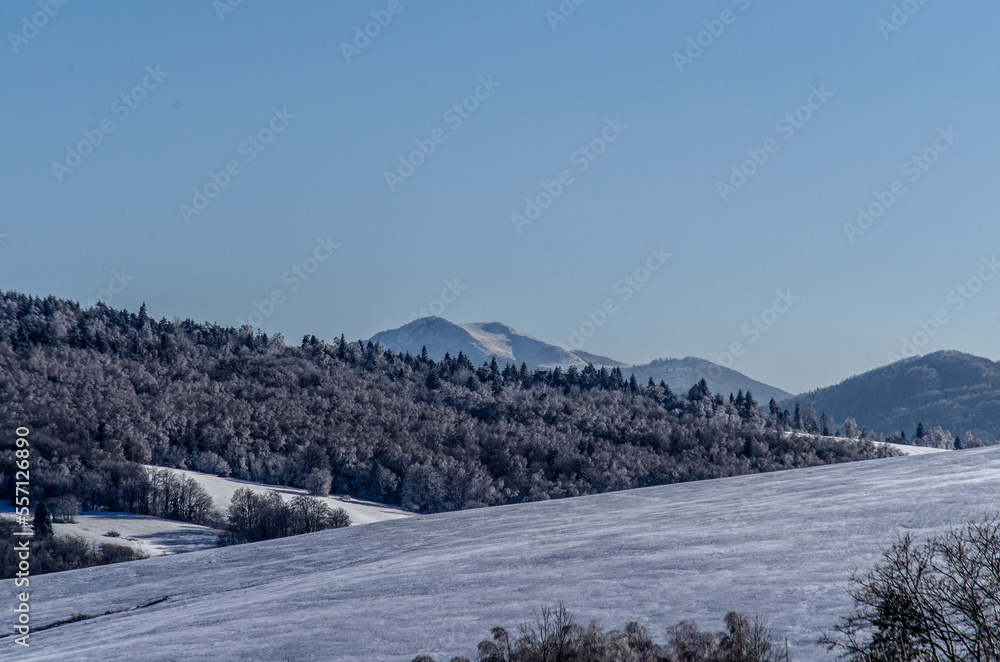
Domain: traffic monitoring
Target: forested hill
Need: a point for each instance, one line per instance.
(958, 391)
(101, 389)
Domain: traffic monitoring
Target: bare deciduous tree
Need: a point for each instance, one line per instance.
(932, 601)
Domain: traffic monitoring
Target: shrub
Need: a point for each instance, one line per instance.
(555, 637)
(58, 553)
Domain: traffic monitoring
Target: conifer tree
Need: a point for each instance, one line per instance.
(43, 521)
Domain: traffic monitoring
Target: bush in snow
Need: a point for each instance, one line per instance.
(554, 636)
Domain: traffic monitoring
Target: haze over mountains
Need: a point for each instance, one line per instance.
(483, 341)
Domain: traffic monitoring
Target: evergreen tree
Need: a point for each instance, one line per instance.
(921, 432)
(604, 377)
(43, 521)
(797, 418)
(617, 379)
(824, 424)
(433, 381)
(699, 391)
(809, 419)
(668, 397)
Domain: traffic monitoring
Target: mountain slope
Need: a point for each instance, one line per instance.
(680, 374)
(482, 341)
(958, 391)
(782, 545)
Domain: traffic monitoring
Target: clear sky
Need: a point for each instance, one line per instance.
(121, 119)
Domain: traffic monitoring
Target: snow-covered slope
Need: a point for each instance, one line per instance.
(917, 450)
(480, 342)
(155, 536)
(222, 490)
(151, 535)
(780, 544)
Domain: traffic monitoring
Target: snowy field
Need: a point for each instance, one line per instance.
(782, 545)
(151, 535)
(915, 450)
(222, 490)
(156, 537)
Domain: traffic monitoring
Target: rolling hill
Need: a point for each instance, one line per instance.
(781, 544)
(958, 391)
(680, 374)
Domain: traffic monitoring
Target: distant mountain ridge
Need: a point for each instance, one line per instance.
(482, 341)
(682, 373)
(958, 391)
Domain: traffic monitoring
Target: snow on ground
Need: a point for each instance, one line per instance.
(152, 535)
(915, 450)
(155, 536)
(222, 490)
(903, 448)
(781, 544)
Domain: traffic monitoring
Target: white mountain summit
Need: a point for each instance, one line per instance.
(482, 341)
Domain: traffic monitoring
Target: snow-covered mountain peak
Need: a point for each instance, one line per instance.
(481, 341)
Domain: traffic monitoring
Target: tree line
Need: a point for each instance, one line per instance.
(105, 389)
(253, 517)
(554, 636)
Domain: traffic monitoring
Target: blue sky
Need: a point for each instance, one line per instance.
(310, 128)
